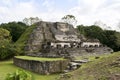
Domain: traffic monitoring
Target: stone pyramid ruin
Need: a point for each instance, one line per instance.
(58, 39)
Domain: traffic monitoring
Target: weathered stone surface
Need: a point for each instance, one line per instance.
(42, 67)
(56, 39)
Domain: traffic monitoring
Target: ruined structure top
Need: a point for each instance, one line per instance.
(57, 39)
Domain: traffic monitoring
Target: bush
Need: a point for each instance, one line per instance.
(97, 57)
(19, 75)
(103, 78)
(8, 50)
(15, 28)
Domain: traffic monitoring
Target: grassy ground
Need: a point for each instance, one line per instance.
(24, 37)
(39, 59)
(105, 68)
(8, 67)
(90, 57)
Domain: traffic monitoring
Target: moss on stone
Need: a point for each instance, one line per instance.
(39, 58)
(99, 69)
(24, 37)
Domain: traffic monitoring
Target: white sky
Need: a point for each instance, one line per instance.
(85, 11)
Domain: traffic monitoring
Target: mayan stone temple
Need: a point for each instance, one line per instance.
(58, 39)
(55, 40)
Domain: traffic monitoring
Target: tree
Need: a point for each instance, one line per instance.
(31, 20)
(107, 37)
(15, 29)
(7, 49)
(111, 39)
(81, 29)
(90, 31)
(70, 19)
(4, 35)
(93, 31)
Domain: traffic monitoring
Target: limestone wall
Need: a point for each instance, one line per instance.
(38, 36)
(62, 44)
(42, 67)
(67, 38)
(78, 51)
(92, 50)
(48, 36)
(88, 44)
(46, 31)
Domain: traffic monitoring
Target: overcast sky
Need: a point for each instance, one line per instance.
(85, 11)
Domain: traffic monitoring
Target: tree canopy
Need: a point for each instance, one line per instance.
(70, 19)
(4, 35)
(7, 49)
(31, 20)
(107, 37)
(15, 29)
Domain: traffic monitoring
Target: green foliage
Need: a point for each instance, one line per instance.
(103, 78)
(8, 50)
(8, 67)
(24, 37)
(90, 31)
(104, 68)
(93, 31)
(4, 35)
(117, 34)
(107, 37)
(81, 29)
(110, 39)
(19, 75)
(39, 58)
(15, 28)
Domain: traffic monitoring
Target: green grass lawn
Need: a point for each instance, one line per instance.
(104, 68)
(90, 57)
(8, 67)
(24, 37)
(39, 58)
